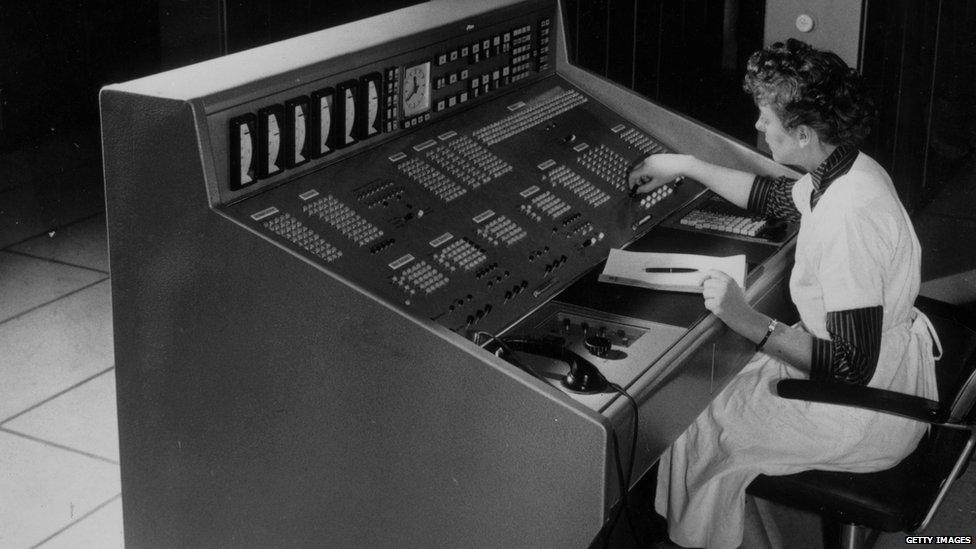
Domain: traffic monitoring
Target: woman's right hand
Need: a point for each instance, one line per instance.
(656, 170)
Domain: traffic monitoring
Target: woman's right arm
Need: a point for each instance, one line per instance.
(659, 169)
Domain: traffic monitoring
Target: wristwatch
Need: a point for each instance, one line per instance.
(773, 323)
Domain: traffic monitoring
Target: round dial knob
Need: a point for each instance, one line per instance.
(598, 346)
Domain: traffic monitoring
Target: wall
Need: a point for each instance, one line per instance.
(837, 25)
(56, 56)
(688, 55)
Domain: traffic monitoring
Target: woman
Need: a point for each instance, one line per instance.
(854, 282)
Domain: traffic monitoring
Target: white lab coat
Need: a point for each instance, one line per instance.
(856, 248)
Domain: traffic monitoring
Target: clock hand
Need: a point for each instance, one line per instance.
(415, 89)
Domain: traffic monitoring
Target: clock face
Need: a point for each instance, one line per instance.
(416, 89)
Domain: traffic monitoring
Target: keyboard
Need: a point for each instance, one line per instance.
(718, 216)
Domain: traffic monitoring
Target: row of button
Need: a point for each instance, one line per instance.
(343, 219)
(502, 230)
(286, 226)
(420, 276)
(579, 186)
(551, 204)
(478, 51)
(607, 164)
(431, 179)
(382, 194)
(462, 254)
(530, 117)
(733, 224)
(469, 162)
(656, 196)
(641, 141)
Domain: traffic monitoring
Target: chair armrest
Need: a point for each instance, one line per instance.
(858, 396)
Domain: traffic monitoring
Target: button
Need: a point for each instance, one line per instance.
(804, 23)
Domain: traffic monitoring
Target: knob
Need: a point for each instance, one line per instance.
(597, 345)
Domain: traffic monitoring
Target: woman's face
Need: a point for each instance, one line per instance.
(782, 142)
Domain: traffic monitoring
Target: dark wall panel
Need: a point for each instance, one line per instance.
(56, 55)
(647, 38)
(686, 54)
(591, 44)
(898, 61)
(620, 41)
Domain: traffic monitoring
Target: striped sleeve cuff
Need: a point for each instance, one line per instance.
(851, 354)
(773, 198)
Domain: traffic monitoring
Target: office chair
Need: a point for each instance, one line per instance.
(905, 497)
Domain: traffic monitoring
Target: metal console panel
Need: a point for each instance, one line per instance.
(270, 394)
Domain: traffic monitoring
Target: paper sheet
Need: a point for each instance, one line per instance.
(631, 269)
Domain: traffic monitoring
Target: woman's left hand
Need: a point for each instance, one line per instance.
(725, 298)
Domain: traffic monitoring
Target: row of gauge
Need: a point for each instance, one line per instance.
(310, 126)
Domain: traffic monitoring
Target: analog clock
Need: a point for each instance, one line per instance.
(416, 89)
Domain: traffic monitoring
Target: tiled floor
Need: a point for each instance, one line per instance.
(59, 450)
(59, 458)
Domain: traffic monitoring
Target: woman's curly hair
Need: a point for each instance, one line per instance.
(804, 85)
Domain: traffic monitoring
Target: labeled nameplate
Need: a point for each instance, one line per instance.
(267, 212)
(441, 240)
(484, 216)
(401, 262)
(425, 145)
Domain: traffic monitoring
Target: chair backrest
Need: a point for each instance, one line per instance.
(956, 371)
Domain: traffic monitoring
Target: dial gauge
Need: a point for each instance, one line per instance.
(416, 89)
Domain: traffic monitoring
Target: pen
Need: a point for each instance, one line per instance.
(670, 270)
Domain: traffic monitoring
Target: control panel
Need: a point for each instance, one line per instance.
(378, 247)
(475, 220)
(331, 117)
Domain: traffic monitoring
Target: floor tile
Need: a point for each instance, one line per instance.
(101, 529)
(43, 489)
(27, 282)
(54, 347)
(83, 243)
(83, 418)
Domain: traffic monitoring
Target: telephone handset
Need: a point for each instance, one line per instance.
(583, 376)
